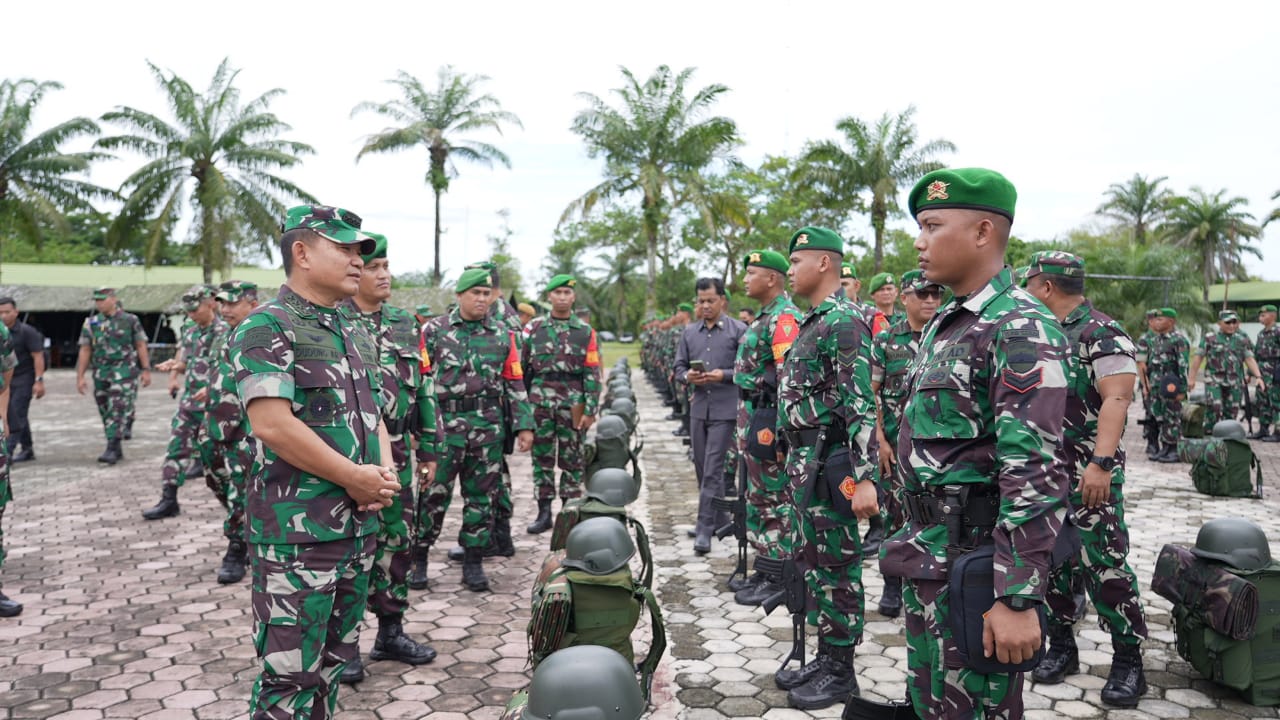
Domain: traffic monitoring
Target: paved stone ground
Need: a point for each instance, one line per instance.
(123, 617)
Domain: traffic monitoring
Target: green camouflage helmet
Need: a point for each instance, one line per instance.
(611, 427)
(1235, 541)
(1229, 429)
(584, 682)
(598, 546)
(613, 486)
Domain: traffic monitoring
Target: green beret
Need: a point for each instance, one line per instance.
(913, 280)
(971, 188)
(687, 307)
(816, 238)
(423, 309)
(771, 259)
(879, 280)
(1168, 312)
(1055, 262)
(847, 271)
(475, 277)
(103, 293)
(333, 223)
(379, 247)
(560, 281)
(235, 290)
(192, 298)
(1267, 308)
(1226, 315)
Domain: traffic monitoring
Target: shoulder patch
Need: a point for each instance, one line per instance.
(1021, 356)
(257, 337)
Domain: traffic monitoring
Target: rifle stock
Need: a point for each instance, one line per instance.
(794, 595)
(737, 525)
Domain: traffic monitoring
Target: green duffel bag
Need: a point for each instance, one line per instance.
(1221, 466)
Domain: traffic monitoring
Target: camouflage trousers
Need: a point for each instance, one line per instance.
(940, 687)
(388, 582)
(556, 443)
(1268, 401)
(181, 458)
(1168, 416)
(1221, 402)
(1103, 569)
(478, 463)
(768, 496)
(226, 467)
(308, 601)
(132, 393)
(830, 548)
(115, 400)
(6, 494)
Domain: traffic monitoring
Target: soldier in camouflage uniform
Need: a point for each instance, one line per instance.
(892, 352)
(1226, 355)
(680, 389)
(981, 436)
(1099, 389)
(762, 348)
(826, 413)
(8, 361)
(850, 285)
(475, 358)
(562, 372)
(227, 448)
(1143, 346)
(309, 380)
(1162, 368)
(1267, 352)
(409, 408)
(113, 342)
(197, 356)
(883, 289)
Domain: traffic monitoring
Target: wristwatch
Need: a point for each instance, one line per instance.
(39, 378)
(1106, 463)
(1018, 602)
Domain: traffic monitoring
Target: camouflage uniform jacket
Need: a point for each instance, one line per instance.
(1167, 356)
(1224, 357)
(891, 354)
(1099, 348)
(113, 341)
(1267, 348)
(502, 311)
(8, 361)
(325, 365)
(1144, 343)
(988, 395)
(762, 348)
(562, 362)
(825, 379)
(200, 347)
(225, 420)
(476, 360)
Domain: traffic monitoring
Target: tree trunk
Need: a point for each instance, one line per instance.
(435, 272)
(650, 219)
(879, 212)
(1208, 270)
(208, 239)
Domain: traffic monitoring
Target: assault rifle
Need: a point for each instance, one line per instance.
(793, 594)
(737, 525)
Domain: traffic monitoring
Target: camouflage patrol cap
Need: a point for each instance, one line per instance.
(880, 280)
(771, 259)
(1168, 312)
(1055, 262)
(969, 188)
(103, 293)
(234, 290)
(192, 298)
(332, 223)
(816, 238)
(1228, 316)
(475, 277)
(913, 280)
(379, 247)
(847, 271)
(1267, 308)
(1153, 312)
(560, 281)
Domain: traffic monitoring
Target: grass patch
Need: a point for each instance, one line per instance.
(611, 351)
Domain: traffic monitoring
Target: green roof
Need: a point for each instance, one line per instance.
(1247, 292)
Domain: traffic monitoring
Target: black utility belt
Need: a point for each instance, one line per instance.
(808, 437)
(758, 400)
(558, 376)
(470, 404)
(927, 508)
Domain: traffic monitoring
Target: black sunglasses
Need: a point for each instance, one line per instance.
(926, 294)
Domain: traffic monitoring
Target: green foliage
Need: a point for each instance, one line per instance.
(1217, 229)
(1137, 205)
(508, 266)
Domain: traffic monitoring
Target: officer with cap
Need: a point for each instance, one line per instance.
(1163, 368)
(113, 342)
(883, 290)
(1267, 353)
(475, 359)
(981, 437)
(850, 285)
(1226, 355)
(583, 681)
(826, 413)
(308, 377)
(201, 339)
(1099, 390)
(562, 372)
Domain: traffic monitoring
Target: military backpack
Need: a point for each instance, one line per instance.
(611, 447)
(1222, 465)
(578, 510)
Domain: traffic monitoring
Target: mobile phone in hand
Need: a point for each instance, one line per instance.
(697, 365)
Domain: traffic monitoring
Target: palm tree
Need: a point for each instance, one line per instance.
(1212, 226)
(1137, 204)
(1275, 214)
(656, 145)
(217, 156)
(433, 120)
(879, 157)
(36, 190)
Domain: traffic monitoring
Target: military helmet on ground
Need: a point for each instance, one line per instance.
(624, 392)
(1229, 429)
(1235, 541)
(598, 546)
(584, 682)
(626, 407)
(613, 486)
(621, 381)
(611, 427)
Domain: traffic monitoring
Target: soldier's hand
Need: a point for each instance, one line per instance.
(1095, 486)
(524, 441)
(426, 472)
(1011, 636)
(886, 459)
(167, 365)
(373, 487)
(585, 422)
(864, 500)
(1191, 385)
(39, 389)
(201, 395)
(82, 385)
(146, 378)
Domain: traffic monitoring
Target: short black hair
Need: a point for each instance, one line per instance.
(1067, 285)
(287, 239)
(8, 301)
(710, 283)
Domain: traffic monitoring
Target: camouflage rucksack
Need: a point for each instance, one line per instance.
(1221, 465)
(586, 595)
(607, 493)
(610, 447)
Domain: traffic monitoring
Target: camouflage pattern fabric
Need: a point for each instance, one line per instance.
(200, 346)
(891, 354)
(1224, 375)
(502, 312)
(228, 448)
(1220, 599)
(755, 371)
(987, 398)
(8, 361)
(1267, 351)
(113, 341)
(825, 380)
(1167, 356)
(1099, 348)
(1143, 346)
(476, 364)
(562, 366)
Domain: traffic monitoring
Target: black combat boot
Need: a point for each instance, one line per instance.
(1153, 447)
(755, 595)
(128, 429)
(233, 563)
(542, 523)
(500, 544)
(112, 454)
(473, 570)
(168, 505)
(9, 608)
(891, 601)
(1169, 454)
(1061, 660)
(1127, 682)
(1263, 431)
(417, 579)
(456, 553)
(393, 644)
(352, 673)
(833, 683)
(26, 455)
(792, 678)
(1274, 436)
(738, 582)
(875, 535)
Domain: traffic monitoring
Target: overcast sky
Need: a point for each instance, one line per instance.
(1064, 99)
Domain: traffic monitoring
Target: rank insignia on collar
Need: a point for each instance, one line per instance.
(802, 239)
(937, 190)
